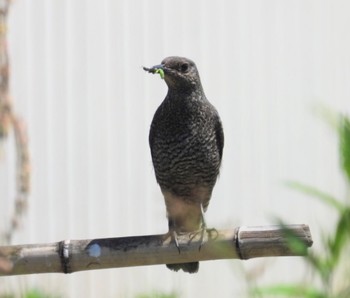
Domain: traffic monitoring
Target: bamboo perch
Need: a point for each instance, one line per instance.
(78, 255)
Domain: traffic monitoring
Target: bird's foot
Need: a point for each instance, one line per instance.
(211, 232)
(201, 239)
(174, 237)
(204, 229)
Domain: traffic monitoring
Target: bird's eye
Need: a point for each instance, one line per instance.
(184, 67)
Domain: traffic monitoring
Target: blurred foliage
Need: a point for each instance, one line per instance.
(327, 267)
(39, 294)
(33, 293)
(157, 294)
(344, 140)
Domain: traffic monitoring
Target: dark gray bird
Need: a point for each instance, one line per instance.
(186, 140)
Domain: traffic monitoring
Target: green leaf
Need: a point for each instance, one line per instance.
(327, 114)
(344, 145)
(320, 265)
(321, 196)
(342, 235)
(294, 242)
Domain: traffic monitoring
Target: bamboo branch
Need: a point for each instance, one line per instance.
(78, 255)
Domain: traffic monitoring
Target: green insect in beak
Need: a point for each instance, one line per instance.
(161, 73)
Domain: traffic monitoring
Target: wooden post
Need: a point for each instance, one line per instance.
(78, 255)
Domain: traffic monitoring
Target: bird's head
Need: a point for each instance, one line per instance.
(178, 72)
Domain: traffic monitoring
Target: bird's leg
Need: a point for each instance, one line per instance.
(203, 227)
(174, 238)
(173, 234)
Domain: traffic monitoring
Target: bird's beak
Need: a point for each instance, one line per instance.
(154, 69)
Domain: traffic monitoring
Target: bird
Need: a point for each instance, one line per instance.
(186, 140)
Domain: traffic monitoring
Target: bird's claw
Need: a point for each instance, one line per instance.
(174, 238)
(211, 231)
(201, 239)
(203, 228)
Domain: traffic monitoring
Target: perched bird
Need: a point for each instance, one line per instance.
(186, 140)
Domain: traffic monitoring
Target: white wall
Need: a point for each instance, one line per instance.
(77, 81)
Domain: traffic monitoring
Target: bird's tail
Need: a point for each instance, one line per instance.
(186, 267)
